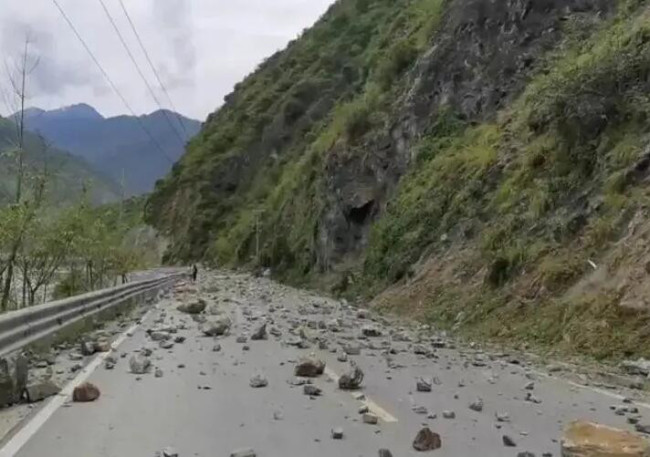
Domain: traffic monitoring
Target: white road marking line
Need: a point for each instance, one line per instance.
(373, 407)
(28, 430)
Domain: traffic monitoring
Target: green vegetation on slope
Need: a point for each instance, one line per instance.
(503, 214)
(261, 155)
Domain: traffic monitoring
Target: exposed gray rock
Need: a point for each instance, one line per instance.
(385, 453)
(158, 373)
(337, 433)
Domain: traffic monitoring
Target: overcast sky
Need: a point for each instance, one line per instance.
(201, 48)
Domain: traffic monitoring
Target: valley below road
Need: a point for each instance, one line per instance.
(238, 393)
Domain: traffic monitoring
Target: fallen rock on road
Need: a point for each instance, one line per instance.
(426, 440)
(588, 439)
(85, 392)
(309, 367)
(351, 380)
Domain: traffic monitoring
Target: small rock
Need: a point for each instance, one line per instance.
(158, 373)
(102, 346)
(216, 347)
(215, 327)
(139, 364)
(243, 453)
(370, 331)
(311, 390)
(166, 344)
(342, 357)
(426, 440)
(169, 452)
(337, 433)
(385, 453)
(40, 391)
(530, 385)
(259, 333)
(476, 405)
(351, 380)
(85, 392)
(193, 308)
(423, 385)
(309, 367)
(508, 441)
(525, 454)
(241, 339)
(369, 418)
(87, 348)
(258, 381)
(587, 438)
(449, 414)
(179, 339)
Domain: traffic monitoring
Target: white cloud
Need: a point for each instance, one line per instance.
(200, 47)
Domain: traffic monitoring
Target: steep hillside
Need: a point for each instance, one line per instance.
(69, 175)
(116, 145)
(479, 163)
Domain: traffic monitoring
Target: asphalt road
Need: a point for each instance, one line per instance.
(207, 408)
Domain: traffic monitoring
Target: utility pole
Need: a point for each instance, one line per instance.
(258, 213)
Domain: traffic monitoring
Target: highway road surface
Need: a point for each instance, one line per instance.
(204, 405)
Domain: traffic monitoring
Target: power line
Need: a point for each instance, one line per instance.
(142, 76)
(110, 81)
(153, 67)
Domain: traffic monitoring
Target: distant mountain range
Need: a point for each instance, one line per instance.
(69, 175)
(118, 146)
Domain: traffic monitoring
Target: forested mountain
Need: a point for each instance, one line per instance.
(481, 162)
(118, 146)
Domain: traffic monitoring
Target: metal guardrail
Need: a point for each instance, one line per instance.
(22, 327)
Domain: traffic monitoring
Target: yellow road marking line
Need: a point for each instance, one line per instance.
(373, 407)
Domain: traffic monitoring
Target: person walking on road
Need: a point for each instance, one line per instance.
(195, 272)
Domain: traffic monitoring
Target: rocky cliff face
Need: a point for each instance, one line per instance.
(458, 155)
(478, 61)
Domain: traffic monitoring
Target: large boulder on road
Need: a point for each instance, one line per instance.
(193, 308)
(13, 378)
(588, 439)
